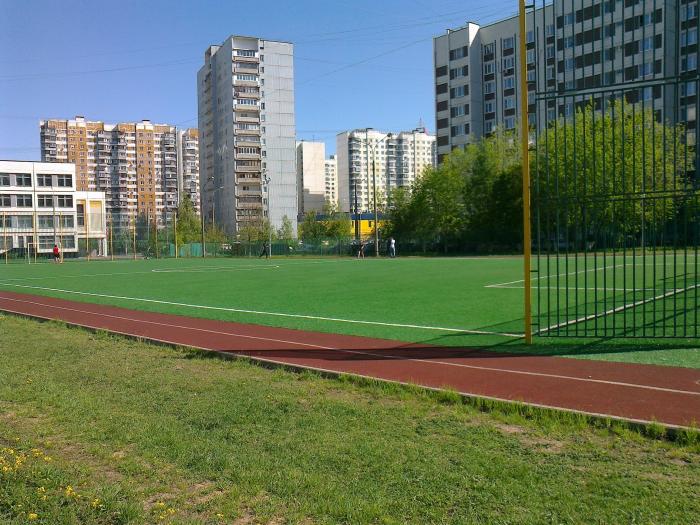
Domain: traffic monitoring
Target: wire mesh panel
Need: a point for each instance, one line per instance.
(613, 94)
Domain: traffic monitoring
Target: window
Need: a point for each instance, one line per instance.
(45, 242)
(508, 82)
(509, 122)
(24, 201)
(647, 93)
(488, 107)
(489, 87)
(509, 103)
(44, 201)
(549, 30)
(25, 222)
(530, 36)
(568, 19)
(489, 49)
(67, 221)
(530, 56)
(461, 52)
(569, 64)
(688, 89)
(64, 201)
(570, 84)
(246, 77)
(530, 98)
(568, 109)
(43, 180)
(531, 75)
(689, 63)
(568, 42)
(68, 242)
(646, 69)
(488, 68)
(550, 52)
(5, 201)
(459, 72)
(508, 63)
(245, 52)
(648, 43)
(508, 43)
(550, 72)
(65, 181)
(4, 179)
(457, 111)
(488, 126)
(23, 179)
(690, 11)
(551, 114)
(459, 91)
(45, 221)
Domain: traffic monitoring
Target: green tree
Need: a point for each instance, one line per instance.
(310, 229)
(610, 173)
(286, 232)
(189, 226)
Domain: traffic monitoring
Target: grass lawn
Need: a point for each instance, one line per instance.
(444, 301)
(99, 429)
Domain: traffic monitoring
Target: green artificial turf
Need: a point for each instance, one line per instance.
(376, 295)
(137, 433)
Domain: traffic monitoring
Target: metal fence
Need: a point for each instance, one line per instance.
(614, 169)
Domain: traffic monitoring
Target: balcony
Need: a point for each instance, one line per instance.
(249, 132)
(247, 94)
(249, 206)
(247, 169)
(246, 60)
(246, 107)
(247, 156)
(238, 82)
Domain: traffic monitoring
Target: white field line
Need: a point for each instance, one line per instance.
(618, 309)
(554, 276)
(260, 312)
(570, 288)
(357, 352)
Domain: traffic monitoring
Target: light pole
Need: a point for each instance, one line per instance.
(266, 181)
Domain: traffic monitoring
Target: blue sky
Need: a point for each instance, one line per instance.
(358, 63)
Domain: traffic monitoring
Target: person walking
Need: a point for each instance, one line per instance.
(265, 251)
(361, 251)
(392, 247)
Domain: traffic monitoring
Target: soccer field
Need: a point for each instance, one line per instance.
(469, 301)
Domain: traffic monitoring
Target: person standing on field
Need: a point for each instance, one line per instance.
(56, 254)
(392, 247)
(361, 251)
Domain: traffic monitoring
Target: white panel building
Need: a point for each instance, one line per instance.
(40, 207)
(311, 176)
(390, 160)
(331, 179)
(245, 93)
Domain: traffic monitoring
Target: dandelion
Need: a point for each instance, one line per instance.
(219, 515)
(41, 490)
(48, 459)
(32, 516)
(95, 503)
(69, 492)
(160, 505)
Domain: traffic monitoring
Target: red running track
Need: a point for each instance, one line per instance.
(669, 395)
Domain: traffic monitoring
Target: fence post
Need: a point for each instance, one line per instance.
(525, 132)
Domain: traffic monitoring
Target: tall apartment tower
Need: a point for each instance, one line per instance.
(135, 164)
(330, 170)
(398, 160)
(188, 166)
(245, 96)
(575, 45)
(311, 176)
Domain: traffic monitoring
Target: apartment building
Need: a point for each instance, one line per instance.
(311, 176)
(134, 164)
(245, 93)
(576, 50)
(367, 157)
(40, 206)
(188, 166)
(330, 171)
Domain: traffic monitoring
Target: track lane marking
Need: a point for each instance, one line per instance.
(357, 352)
